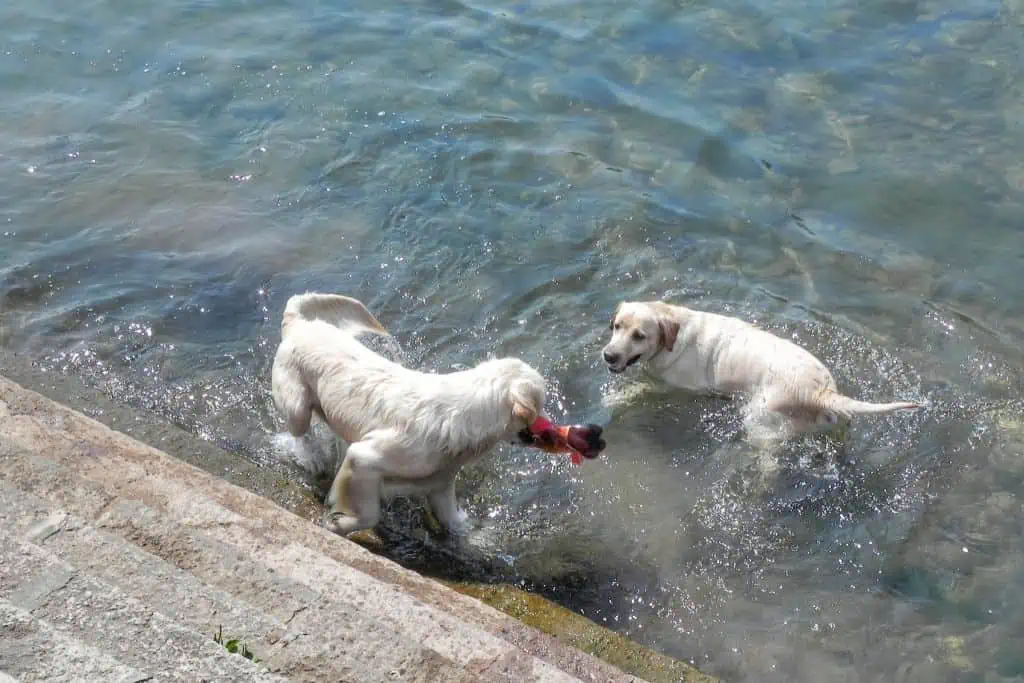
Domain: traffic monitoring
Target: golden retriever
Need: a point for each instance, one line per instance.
(408, 432)
(790, 391)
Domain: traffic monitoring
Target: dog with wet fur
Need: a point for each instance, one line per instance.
(408, 432)
(789, 391)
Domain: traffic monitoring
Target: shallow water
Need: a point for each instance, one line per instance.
(491, 178)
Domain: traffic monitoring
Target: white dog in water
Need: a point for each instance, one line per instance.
(408, 432)
(790, 391)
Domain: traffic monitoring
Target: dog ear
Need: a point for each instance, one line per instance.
(524, 412)
(668, 330)
(524, 405)
(615, 314)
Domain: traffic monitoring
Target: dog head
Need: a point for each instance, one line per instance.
(640, 330)
(526, 394)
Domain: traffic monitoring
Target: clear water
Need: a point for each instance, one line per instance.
(491, 178)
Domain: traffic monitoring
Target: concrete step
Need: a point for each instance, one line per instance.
(99, 615)
(194, 552)
(293, 627)
(32, 650)
(169, 590)
(324, 603)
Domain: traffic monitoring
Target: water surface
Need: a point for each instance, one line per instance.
(491, 178)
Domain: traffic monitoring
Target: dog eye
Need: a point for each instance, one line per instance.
(617, 326)
(639, 336)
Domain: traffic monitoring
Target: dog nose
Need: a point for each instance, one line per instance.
(610, 358)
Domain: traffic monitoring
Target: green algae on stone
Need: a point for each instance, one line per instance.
(583, 634)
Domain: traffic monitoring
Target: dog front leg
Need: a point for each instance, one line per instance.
(447, 511)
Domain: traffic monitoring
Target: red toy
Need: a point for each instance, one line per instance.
(579, 441)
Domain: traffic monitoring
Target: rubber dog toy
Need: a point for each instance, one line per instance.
(579, 441)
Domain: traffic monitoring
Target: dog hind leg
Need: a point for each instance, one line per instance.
(355, 494)
(379, 456)
(292, 398)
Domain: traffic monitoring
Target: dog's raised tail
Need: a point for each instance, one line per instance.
(850, 407)
(342, 311)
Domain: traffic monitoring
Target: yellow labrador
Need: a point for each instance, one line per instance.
(790, 390)
(408, 432)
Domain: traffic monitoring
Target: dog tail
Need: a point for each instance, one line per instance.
(342, 311)
(846, 407)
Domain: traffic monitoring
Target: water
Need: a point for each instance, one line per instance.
(491, 178)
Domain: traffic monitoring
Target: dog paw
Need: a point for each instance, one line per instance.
(448, 521)
(343, 524)
(461, 524)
